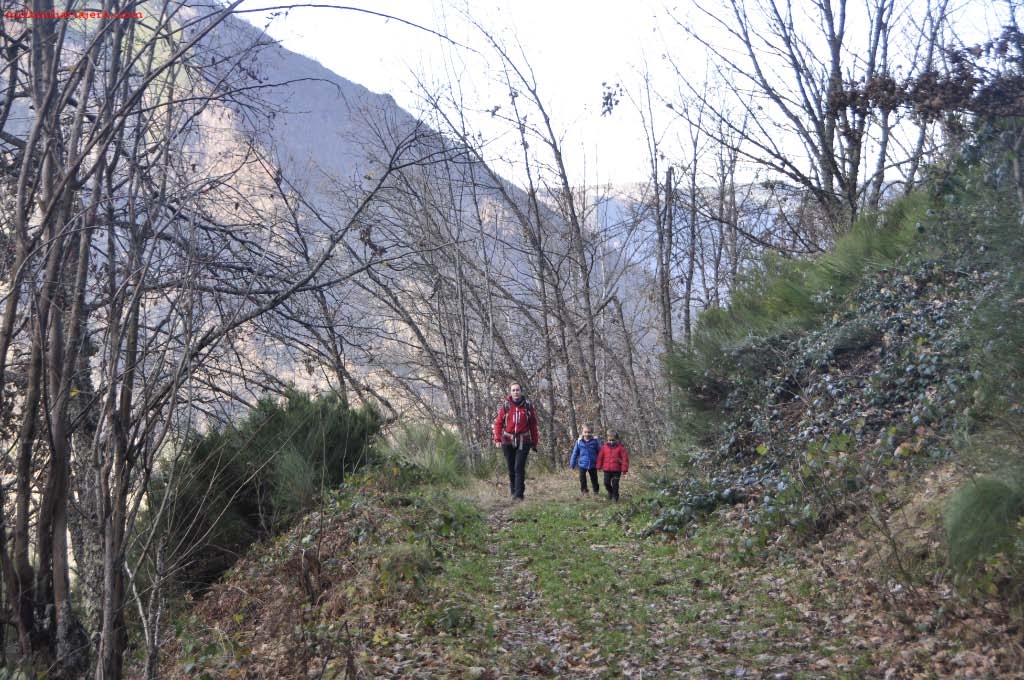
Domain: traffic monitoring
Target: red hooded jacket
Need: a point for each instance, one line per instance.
(613, 457)
(515, 420)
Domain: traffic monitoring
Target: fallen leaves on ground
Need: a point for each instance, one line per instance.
(824, 610)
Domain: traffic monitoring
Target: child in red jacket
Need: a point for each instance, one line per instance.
(613, 458)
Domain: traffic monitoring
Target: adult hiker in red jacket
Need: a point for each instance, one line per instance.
(515, 431)
(613, 458)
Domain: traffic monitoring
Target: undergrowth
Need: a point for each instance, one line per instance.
(828, 383)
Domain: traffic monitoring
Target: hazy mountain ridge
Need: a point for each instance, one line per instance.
(318, 122)
(332, 140)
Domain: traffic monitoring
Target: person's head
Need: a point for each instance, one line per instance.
(516, 390)
(587, 431)
(613, 436)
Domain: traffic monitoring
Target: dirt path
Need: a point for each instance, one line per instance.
(535, 643)
(491, 495)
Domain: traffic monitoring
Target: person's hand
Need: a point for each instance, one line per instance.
(497, 445)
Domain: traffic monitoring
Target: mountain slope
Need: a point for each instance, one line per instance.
(324, 128)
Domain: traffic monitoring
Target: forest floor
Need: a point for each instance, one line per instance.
(570, 587)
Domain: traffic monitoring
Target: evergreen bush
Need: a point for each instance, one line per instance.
(437, 452)
(985, 536)
(237, 484)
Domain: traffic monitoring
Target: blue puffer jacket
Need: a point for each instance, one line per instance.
(584, 454)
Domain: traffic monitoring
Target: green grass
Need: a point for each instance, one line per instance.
(549, 588)
(634, 599)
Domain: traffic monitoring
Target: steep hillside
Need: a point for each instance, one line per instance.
(808, 419)
(325, 129)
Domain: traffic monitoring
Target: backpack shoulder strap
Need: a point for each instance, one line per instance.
(530, 413)
(505, 409)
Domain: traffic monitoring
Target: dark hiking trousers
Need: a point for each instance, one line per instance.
(611, 482)
(593, 480)
(515, 458)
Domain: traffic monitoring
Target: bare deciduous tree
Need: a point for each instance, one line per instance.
(801, 77)
(144, 241)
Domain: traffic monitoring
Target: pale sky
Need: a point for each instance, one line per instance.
(573, 46)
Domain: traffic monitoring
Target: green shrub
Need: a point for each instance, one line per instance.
(234, 485)
(328, 435)
(996, 335)
(438, 453)
(983, 521)
(296, 486)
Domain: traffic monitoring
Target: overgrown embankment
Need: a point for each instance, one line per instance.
(877, 389)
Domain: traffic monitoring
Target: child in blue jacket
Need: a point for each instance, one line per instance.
(584, 457)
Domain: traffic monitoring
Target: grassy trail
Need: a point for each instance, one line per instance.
(530, 639)
(576, 593)
(566, 587)
(425, 583)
